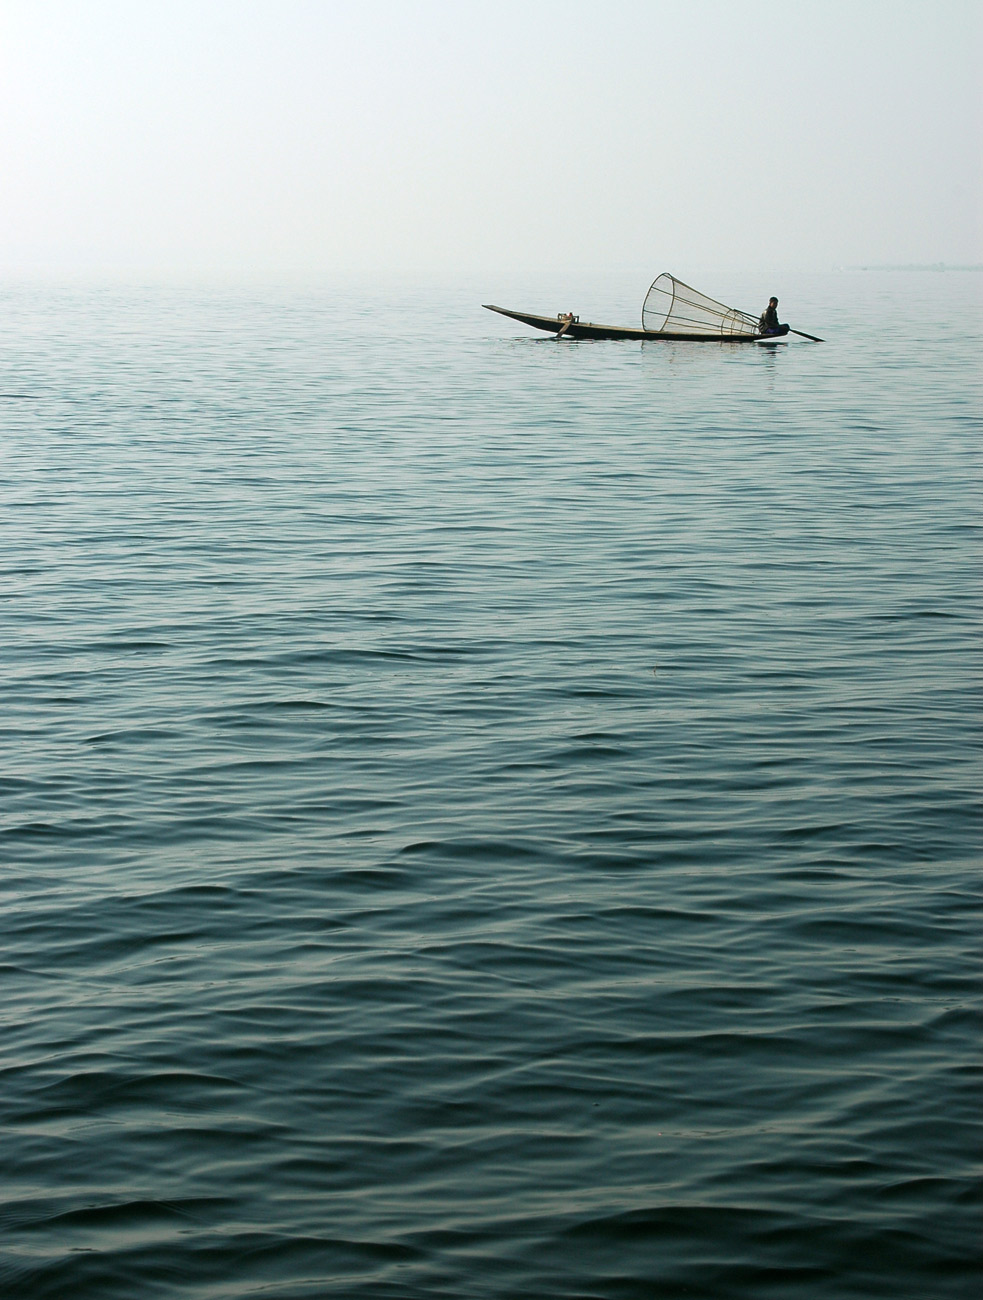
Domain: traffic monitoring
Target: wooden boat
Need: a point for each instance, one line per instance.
(672, 311)
(575, 328)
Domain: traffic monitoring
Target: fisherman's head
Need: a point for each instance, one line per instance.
(772, 302)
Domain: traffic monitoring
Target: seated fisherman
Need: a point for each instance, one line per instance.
(768, 324)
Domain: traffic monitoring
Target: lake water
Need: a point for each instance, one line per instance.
(488, 817)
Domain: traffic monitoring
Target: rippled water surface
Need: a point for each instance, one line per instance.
(489, 817)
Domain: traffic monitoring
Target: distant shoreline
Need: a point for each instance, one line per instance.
(913, 266)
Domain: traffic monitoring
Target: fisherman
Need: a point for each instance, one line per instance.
(768, 324)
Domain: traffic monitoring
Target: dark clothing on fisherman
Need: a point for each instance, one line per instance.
(768, 324)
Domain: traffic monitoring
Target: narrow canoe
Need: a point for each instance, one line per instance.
(578, 329)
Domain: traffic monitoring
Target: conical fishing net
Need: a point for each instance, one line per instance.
(674, 308)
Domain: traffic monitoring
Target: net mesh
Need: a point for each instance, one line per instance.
(674, 308)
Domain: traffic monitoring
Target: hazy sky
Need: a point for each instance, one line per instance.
(315, 135)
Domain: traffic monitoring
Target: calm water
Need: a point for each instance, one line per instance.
(487, 817)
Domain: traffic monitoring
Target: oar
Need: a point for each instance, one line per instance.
(803, 335)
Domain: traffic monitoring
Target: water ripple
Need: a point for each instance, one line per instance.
(486, 817)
